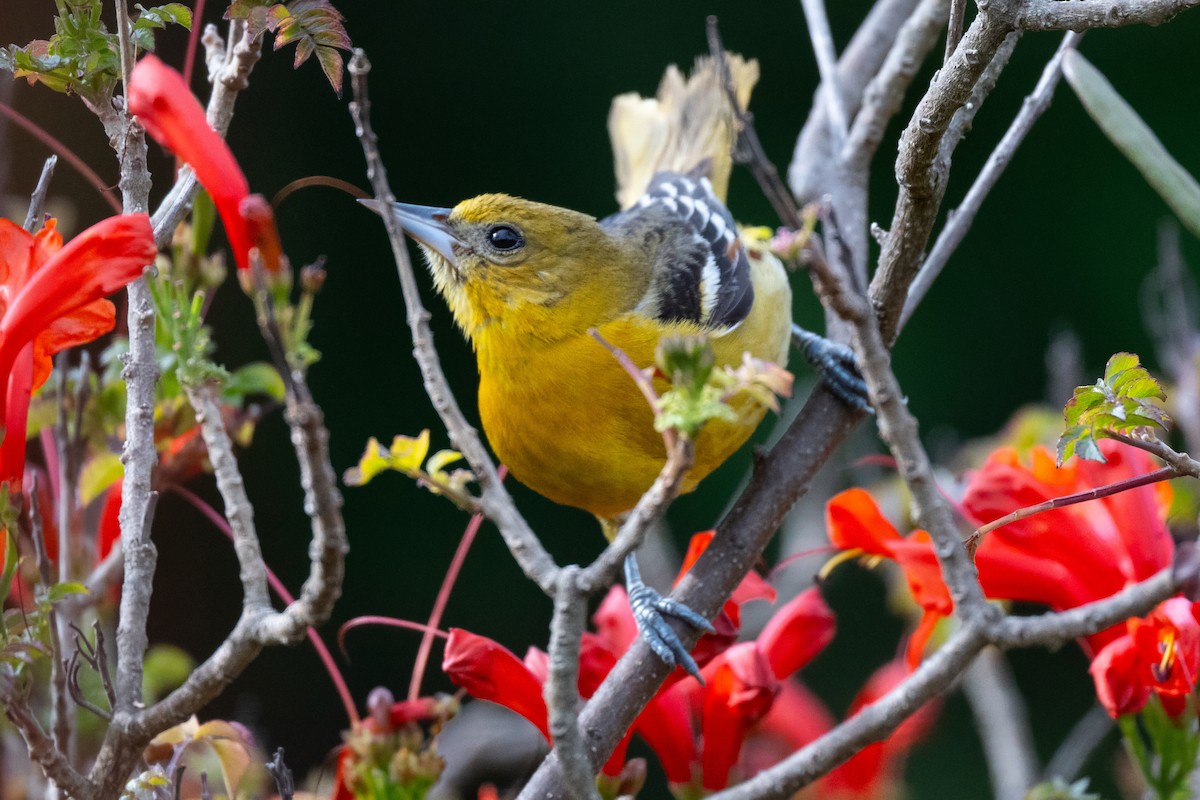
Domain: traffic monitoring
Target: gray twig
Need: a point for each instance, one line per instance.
(495, 501)
(37, 201)
(960, 219)
(823, 49)
(954, 31)
(1082, 740)
(562, 694)
(1003, 725)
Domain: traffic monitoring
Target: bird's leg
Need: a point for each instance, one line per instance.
(836, 365)
(650, 610)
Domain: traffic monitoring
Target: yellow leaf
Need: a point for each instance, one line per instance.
(374, 461)
(439, 460)
(407, 453)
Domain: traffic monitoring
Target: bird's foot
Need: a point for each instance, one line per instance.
(650, 612)
(837, 366)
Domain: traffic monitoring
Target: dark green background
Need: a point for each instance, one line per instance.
(471, 97)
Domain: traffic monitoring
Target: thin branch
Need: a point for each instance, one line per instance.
(814, 158)
(1182, 463)
(881, 98)
(42, 750)
(1082, 740)
(961, 218)
(37, 201)
(1159, 475)
(1055, 629)
(954, 31)
(650, 507)
(869, 725)
(823, 49)
(562, 694)
(922, 173)
(238, 509)
(532, 557)
(1052, 15)
(229, 70)
(748, 148)
(1003, 725)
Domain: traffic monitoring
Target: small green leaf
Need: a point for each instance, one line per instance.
(1124, 402)
(258, 377)
(60, 590)
(11, 558)
(1134, 139)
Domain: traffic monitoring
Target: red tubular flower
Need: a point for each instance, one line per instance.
(170, 113)
(856, 524)
(741, 683)
(490, 671)
(1158, 654)
(1087, 552)
(51, 298)
(1075, 555)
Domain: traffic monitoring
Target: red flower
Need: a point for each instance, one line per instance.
(1158, 654)
(51, 298)
(1074, 555)
(741, 681)
(1086, 552)
(170, 113)
(1062, 558)
(855, 524)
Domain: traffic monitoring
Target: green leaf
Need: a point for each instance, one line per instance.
(1134, 139)
(11, 558)
(258, 377)
(167, 666)
(152, 19)
(60, 590)
(99, 473)
(1123, 402)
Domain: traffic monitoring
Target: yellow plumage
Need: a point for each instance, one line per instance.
(526, 282)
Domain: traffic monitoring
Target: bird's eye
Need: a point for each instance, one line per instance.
(505, 237)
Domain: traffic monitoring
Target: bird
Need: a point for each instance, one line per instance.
(528, 284)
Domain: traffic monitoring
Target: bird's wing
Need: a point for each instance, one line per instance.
(700, 272)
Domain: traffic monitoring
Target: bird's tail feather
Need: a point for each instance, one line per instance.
(689, 123)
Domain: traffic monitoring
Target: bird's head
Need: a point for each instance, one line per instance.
(530, 269)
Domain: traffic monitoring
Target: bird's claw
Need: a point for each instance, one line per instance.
(837, 366)
(650, 610)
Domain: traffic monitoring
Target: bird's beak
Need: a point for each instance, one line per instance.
(426, 224)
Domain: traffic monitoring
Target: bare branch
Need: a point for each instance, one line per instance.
(42, 750)
(1054, 629)
(960, 219)
(1003, 725)
(1159, 475)
(562, 694)
(37, 201)
(882, 97)
(823, 49)
(920, 171)
(229, 71)
(1052, 15)
(495, 501)
(809, 175)
(954, 30)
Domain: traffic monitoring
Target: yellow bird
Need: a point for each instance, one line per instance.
(526, 282)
